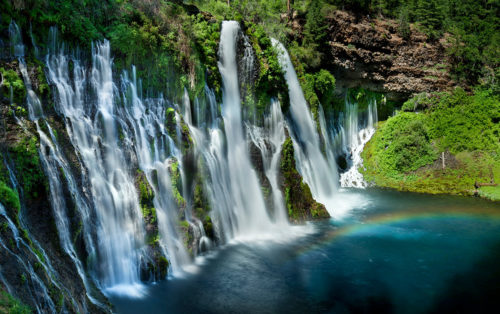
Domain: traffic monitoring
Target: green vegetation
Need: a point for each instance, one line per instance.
(318, 89)
(146, 197)
(175, 178)
(473, 26)
(270, 82)
(202, 207)
(28, 167)
(11, 305)
(11, 79)
(403, 144)
(298, 198)
(10, 199)
(407, 150)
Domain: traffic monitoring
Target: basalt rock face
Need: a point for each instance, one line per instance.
(368, 52)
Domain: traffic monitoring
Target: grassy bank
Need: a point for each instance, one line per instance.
(440, 143)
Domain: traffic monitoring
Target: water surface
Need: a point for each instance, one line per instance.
(392, 252)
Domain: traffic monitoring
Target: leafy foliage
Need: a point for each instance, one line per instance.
(460, 122)
(461, 128)
(403, 144)
(11, 79)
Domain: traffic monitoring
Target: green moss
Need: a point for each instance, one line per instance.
(146, 201)
(175, 178)
(163, 266)
(170, 122)
(57, 296)
(152, 239)
(270, 81)
(11, 305)
(146, 193)
(43, 85)
(298, 198)
(184, 224)
(28, 167)
(209, 228)
(10, 199)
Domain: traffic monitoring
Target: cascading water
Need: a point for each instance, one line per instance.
(250, 213)
(270, 149)
(93, 132)
(318, 171)
(35, 286)
(239, 209)
(16, 41)
(54, 163)
(154, 150)
(357, 135)
(115, 131)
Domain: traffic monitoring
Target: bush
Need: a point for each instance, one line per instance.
(12, 80)
(403, 144)
(460, 122)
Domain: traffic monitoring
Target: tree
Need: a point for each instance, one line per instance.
(404, 23)
(431, 17)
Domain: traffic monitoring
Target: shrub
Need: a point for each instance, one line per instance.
(403, 144)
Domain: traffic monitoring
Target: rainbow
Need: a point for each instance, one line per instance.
(403, 217)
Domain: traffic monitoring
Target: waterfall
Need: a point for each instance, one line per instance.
(318, 171)
(117, 134)
(52, 162)
(35, 287)
(16, 40)
(235, 193)
(251, 216)
(357, 135)
(269, 141)
(93, 130)
(154, 150)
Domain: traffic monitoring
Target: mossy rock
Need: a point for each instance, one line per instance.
(146, 193)
(298, 198)
(170, 123)
(176, 180)
(10, 200)
(24, 153)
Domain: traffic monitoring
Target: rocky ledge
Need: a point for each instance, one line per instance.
(369, 52)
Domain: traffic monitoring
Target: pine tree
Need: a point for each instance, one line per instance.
(315, 28)
(430, 16)
(404, 23)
